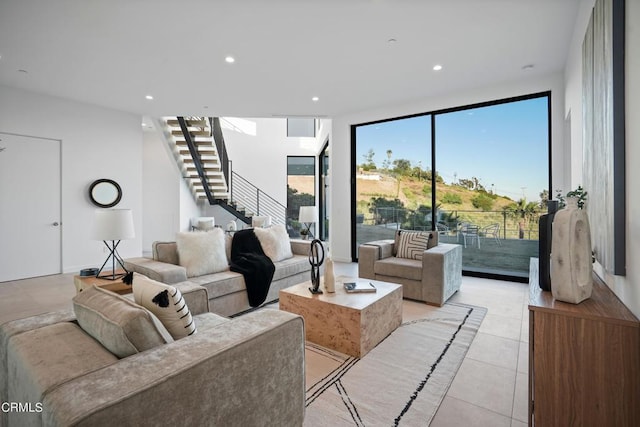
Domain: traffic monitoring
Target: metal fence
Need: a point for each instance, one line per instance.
(511, 225)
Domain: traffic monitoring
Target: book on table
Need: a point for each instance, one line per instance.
(359, 286)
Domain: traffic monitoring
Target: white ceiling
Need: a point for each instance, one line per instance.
(114, 52)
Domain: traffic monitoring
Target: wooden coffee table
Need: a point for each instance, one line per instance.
(117, 286)
(349, 323)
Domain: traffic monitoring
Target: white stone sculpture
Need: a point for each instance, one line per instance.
(329, 277)
(571, 266)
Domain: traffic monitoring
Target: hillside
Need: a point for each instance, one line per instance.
(413, 192)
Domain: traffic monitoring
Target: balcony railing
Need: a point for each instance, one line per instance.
(508, 252)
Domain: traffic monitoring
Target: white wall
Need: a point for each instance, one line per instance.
(262, 158)
(96, 143)
(628, 287)
(340, 228)
(161, 195)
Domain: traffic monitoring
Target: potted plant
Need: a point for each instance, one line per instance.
(578, 193)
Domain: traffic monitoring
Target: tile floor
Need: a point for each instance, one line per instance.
(490, 388)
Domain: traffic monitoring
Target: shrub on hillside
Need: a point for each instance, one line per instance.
(482, 201)
(451, 198)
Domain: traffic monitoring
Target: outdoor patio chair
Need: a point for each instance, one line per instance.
(442, 229)
(492, 230)
(469, 231)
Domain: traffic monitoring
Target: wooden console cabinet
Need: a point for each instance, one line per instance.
(584, 361)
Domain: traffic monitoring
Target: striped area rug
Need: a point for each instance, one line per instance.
(401, 382)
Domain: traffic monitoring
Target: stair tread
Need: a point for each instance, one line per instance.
(201, 122)
(198, 142)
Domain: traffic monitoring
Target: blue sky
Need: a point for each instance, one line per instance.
(505, 145)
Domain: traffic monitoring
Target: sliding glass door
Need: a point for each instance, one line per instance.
(494, 164)
(492, 178)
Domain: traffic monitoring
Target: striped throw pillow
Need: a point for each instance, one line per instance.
(411, 244)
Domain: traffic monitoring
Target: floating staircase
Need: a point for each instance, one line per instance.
(211, 185)
(200, 152)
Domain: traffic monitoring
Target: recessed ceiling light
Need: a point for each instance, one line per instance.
(315, 99)
(149, 97)
(230, 59)
(437, 67)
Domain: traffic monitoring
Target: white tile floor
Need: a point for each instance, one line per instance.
(490, 389)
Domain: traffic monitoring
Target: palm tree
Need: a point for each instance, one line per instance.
(526, 213)
(387, 162)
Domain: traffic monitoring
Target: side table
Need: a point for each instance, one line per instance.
(117, 286)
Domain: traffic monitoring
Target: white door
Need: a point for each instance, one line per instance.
(30, 228)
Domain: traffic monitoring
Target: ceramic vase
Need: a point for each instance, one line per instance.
(329, 277)
(571, 268)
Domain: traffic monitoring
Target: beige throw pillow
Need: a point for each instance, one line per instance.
(167, 303)
(202, 252)
(275, 242)
(120, 325)
(412, 244)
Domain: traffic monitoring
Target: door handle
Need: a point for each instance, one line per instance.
(55, 224)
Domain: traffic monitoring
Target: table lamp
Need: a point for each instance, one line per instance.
(308, 215)
(111, 226)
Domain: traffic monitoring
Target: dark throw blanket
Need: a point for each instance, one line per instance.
(248, 259)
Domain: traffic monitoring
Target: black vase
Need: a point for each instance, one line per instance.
(544, 247)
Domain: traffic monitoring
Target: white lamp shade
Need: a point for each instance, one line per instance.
(308, 214)
(113, 224)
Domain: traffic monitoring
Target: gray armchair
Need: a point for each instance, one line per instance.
(433, 279)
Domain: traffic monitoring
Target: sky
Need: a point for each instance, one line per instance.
(505, 146)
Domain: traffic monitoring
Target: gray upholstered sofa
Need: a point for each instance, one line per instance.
(432, 279)
(246, 371)
(227, 290)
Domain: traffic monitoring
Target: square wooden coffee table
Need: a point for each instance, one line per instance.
(349, 323)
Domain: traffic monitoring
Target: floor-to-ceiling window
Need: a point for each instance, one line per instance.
(491, 183)
(392, 178)
(301, 173)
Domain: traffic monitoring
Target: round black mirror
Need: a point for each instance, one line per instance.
(105, 193)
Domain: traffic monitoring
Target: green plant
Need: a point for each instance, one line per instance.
(386, 211)
(579, 193)
(451, 198)
(482, 201)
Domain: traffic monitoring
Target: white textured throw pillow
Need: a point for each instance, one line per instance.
(202, 252)
(275, 242)
(167, 303)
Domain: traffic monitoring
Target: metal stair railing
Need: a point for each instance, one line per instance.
(197, 161)
(255, 200)
(245, 198)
